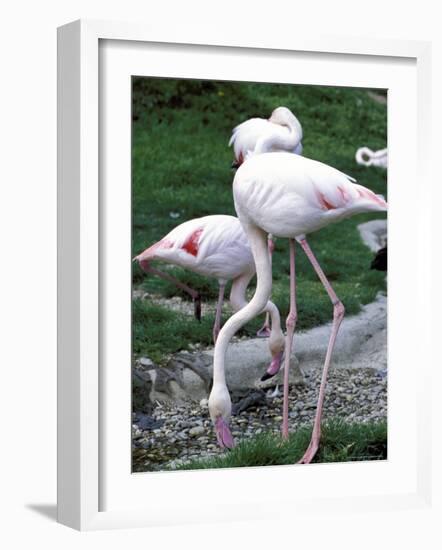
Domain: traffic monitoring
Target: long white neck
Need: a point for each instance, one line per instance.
(258, 242)
(238, 301)
(286, 142)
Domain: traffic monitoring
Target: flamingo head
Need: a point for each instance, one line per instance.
(220, 407)
(284, 117)
(277, 346)
(223, 434)
(274, 367)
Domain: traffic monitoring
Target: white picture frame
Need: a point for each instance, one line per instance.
(81, 473)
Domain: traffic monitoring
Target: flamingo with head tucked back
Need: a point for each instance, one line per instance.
(288, 196)
(281, 132)
(215, 246)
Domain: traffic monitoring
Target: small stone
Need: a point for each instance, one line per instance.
(196, 431)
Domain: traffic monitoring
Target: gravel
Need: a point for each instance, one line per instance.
(176, 303)
(184, 432)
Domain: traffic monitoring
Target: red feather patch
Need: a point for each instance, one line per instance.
(324, 202)
(191, 243)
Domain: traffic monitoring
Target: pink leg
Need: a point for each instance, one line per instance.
(338, 315)
(265, 330)
(219, 306)
(290, 324)
(147, 268)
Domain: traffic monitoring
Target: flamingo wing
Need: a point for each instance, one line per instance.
(246, 134)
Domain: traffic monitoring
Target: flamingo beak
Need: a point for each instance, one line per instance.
(223, 434)
(274, 367)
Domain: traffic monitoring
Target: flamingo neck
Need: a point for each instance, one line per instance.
(287, 142)
(258, 242)
(274, 316)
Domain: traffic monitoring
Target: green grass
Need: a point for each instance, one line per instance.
(340, 442)
(181, 165)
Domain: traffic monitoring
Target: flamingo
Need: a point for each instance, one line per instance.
(281, 132)
(215, 246)
(367, 157)
(288, 196)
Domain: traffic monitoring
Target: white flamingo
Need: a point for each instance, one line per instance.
(215, 246)
(281, 132)
(288, 196)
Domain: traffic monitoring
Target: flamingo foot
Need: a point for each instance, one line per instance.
(311, 451)
(274, 367)
(264, 332)
(223, 434)
(197, 307)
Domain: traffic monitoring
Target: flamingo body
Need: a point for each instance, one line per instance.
(212, 246)
(291, 196)
(217, 246)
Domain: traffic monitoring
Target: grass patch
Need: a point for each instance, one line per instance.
(181, 167)
(163, 332)
(340, 442)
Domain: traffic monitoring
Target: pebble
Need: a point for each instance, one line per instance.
(197, 430)
(356, 395)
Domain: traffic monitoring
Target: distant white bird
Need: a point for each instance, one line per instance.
(216, 247)
(288, 196)
(367, 157)
(281, 132)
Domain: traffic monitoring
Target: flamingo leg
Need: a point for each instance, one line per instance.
(147, 268)
(338, 315)
(265, 330)
(219, 305)
(290, 324)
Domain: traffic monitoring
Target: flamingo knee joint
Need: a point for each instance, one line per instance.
(338, 310)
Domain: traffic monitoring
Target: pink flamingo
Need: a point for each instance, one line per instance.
(281, 132)
(288, 196)
(215, 246)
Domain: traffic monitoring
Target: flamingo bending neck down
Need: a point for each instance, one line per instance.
(215, 246)
(288, 196)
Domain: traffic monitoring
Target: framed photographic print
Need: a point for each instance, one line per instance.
(223, 304)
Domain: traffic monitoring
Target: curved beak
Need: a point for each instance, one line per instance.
(274, 366)
(223, 434)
